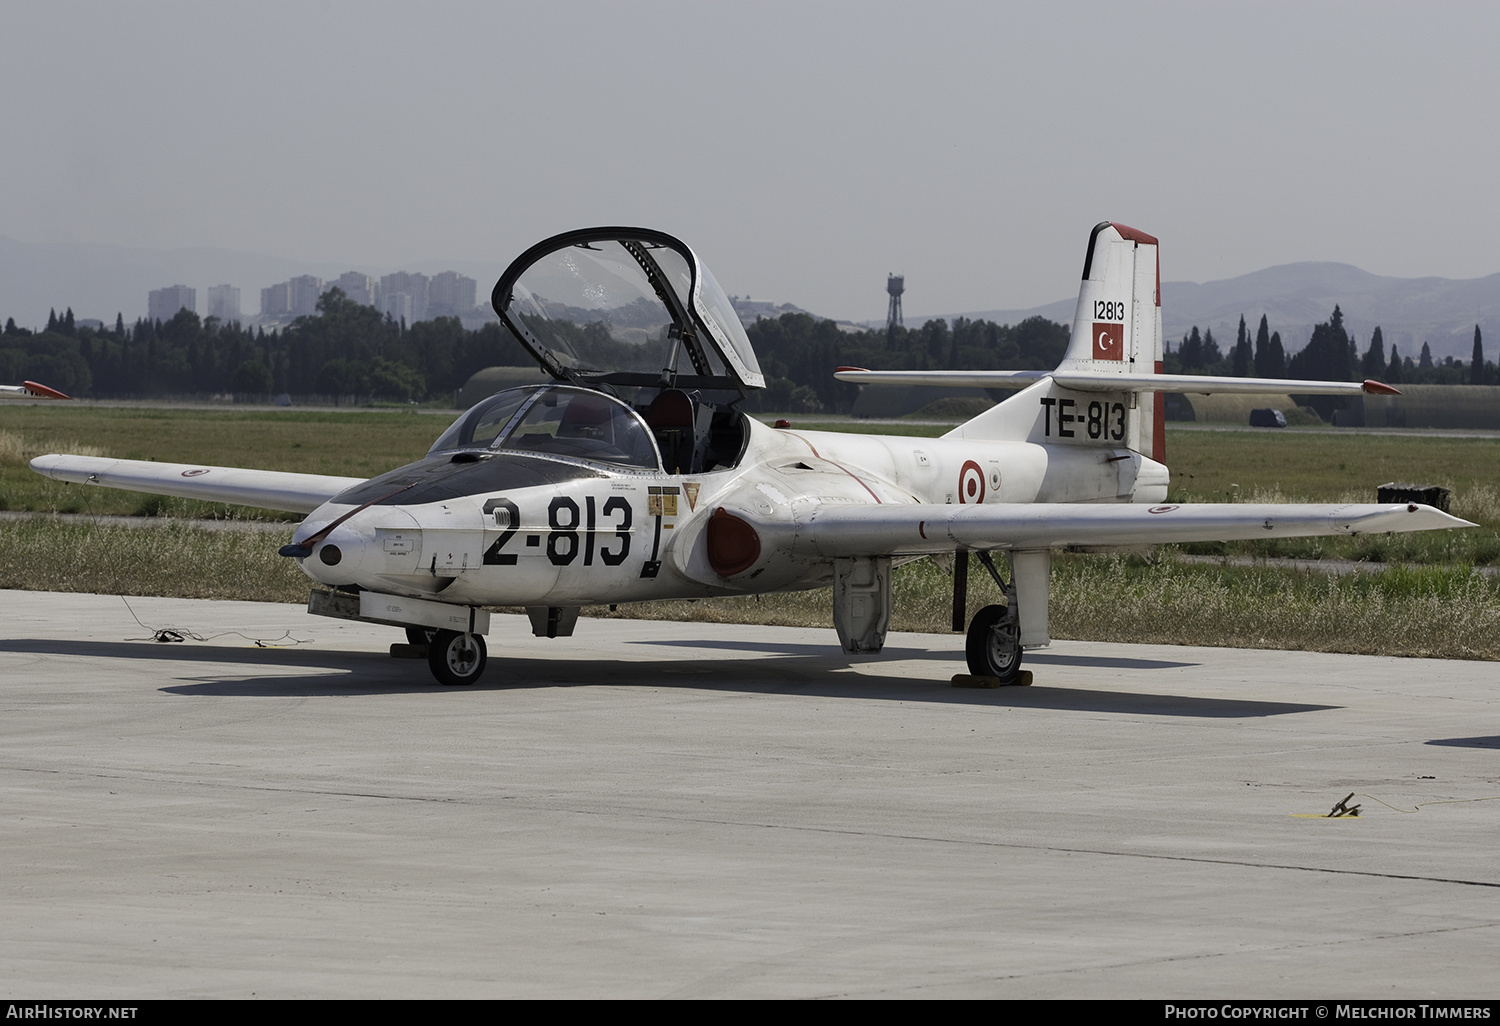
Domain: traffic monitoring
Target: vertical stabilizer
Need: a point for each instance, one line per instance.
(1116, 332)
(1117, 324)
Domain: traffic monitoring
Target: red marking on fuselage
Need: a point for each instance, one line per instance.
(839, 465)
(1159, 424)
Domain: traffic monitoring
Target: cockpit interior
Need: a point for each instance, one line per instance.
(672, 431)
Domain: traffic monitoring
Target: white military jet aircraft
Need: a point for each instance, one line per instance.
(635, 476)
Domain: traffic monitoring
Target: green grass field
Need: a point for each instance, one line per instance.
(1323, 465)
(1428, 603)
(363, 444)
(1211, 465)
(1207, 466)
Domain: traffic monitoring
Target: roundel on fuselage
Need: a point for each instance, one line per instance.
(970, 483)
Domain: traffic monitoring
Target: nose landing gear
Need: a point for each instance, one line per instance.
(456, 659)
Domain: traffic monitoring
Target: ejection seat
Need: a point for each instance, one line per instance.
(584, 417)
(671, 419)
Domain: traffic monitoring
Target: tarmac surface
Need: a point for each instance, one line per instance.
(656, 809)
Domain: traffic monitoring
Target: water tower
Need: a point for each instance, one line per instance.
(895, 284)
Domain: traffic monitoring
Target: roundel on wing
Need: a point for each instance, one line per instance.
(970, 483)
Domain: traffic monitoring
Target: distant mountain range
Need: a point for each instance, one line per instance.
(1295, 297)
(99, 281)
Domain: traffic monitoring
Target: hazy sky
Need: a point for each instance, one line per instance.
(804, 149)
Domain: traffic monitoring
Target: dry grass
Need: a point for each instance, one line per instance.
(1446, 612)
(1437, 612)
(1481, 504)
(1478, 503)
(1441, 612)
(1476, 546)
(18, 450)
(43, 554)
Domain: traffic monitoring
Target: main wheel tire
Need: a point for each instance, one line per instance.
(456, 659)
(993, 646)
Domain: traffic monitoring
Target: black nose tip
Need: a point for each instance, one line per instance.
(297, 550)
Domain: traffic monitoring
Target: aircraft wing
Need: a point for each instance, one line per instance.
(267, 489)
(837, 531)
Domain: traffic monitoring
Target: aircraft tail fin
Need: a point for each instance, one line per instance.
(1117, 323)
(1094, 396)
(1117, 328)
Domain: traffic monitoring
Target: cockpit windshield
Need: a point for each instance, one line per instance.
(555, 420)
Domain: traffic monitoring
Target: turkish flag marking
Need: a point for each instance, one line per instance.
(1109, 341)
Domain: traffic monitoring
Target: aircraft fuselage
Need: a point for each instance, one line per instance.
(551, 531)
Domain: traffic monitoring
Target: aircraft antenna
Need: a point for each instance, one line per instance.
(895, 284)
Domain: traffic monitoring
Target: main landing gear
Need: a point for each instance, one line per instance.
(993, 645)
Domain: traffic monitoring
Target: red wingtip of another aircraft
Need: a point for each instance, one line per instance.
(43, 392)
(837, 370)
(1380, 388)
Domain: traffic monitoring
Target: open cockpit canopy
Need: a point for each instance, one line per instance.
(625, 307)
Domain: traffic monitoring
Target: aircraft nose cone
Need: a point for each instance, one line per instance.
(351, 551)
(339, 557)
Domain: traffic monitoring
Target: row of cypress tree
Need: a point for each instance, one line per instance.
(1331, 354)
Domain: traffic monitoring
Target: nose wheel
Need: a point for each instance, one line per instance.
(456, 659)
(993, 646)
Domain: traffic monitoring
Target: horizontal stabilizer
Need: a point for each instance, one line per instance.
(844, 531)
(946, 379)
(265, 489)
(1086, 382)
